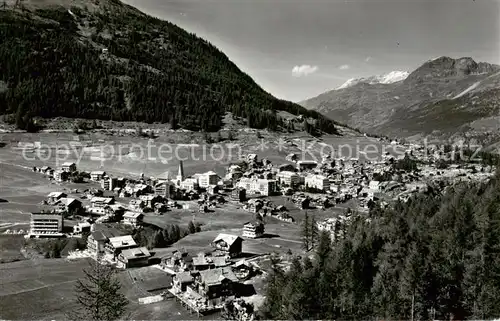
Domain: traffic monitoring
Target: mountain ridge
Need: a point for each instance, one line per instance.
(443, 98)
(110, 61)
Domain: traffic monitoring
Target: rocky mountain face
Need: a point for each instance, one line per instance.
(443, 98)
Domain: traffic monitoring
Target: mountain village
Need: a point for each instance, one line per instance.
(111, 206)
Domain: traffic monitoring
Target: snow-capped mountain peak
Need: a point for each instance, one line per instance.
(389, 78)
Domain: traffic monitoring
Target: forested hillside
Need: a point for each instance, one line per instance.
(106, 60)
(435, 257)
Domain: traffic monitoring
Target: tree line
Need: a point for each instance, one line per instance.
(132, 68)
(436, 256)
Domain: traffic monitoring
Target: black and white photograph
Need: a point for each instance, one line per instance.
(249, 160)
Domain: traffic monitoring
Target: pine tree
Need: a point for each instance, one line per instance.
(191, 227)
(98, 295)
(313, 231)
(306, 233)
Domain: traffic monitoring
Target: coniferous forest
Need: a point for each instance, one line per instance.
(435, 257)
(115, 63)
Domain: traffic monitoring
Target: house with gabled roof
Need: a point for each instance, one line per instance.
(215, 283)
(133, 257)
(227, 244)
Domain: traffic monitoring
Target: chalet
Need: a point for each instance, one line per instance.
(164, 189)
(178, 261)
(252, 158)
(291, 157)
(96, 242)
(304, 165)
(54, 197)
(96, 176)
(60, 176)
(132, 218)
(68, 167)
(119, 243)
(101, 202)
(136, 205)
(133, 257)
(228, 244)
(215, 283)
(45, 169)
(202, 262)
(98, 238)
(238, 194)
(181, 281)
(213, 189)
(242, 269)
(207, 179)
(253, 230)
(69, 205)
(285, 217)
(106, 210)
(254, 205)
(150, 200)
(81, 227)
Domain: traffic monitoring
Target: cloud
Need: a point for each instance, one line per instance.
(344, 67)
(368, 59)
(303, 70)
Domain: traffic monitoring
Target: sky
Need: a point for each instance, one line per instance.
(297, 49)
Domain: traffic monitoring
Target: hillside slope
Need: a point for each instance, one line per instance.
(106, 60)
(444, 97)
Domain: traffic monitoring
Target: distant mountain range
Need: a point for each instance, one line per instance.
(443, 98)
(102, 59)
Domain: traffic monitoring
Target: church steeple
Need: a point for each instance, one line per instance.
(180, 172)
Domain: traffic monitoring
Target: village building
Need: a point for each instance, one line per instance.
(177, 262)
(215, 284)
(101, 202)
(242, 269)
(119, 243)
(136, 205)
(133, 257)
(46, 225)
(239, 194)
(68, 167)
(150, 200)
(291, 157)
(189, 184)
(164, 189)
(60, 176)
(261, 186)
(69, 205)
(132, 218)
(288, 178)
(81, 227)
(45, 169)
(109, 183)
(253, 230)
(303, 165)
(181, 281)
(96, 176)
(207, 179)
(252, 158)
(54, 197)
(318, 182)
(213, 189)
(228, 244)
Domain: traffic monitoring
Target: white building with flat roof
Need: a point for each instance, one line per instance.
(207, 179)
(318, 182)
